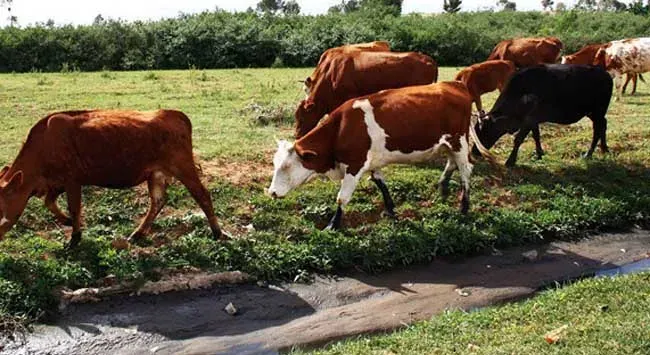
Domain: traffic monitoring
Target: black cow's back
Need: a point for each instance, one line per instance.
(561, 93)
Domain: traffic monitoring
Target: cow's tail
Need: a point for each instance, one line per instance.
(481, 148)
(641, 77)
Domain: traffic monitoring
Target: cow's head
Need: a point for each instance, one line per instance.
(13, 198)
(290, 168)
(307, 84)
(490, 127)
(600, 59)
(307, 117)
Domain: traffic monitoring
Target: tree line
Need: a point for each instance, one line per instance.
(221, 39)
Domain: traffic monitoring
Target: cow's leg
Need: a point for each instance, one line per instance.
(73, 194)
(599, 132)
(618, 78)
(50, 204)
(389, 206)
(461, 158)
(188, 176)
(628, 77)
(603, 135)
(538, 143)
(157, 185)
(443, 183)
(348, 185)
(635, 77)
(519, 139)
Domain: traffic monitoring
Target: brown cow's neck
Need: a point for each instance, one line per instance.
(28, 158)
(322, 141)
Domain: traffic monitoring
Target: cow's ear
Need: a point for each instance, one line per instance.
(15, 182)
(305, 153)
(3, 171)
(308, 104)
(599, 58)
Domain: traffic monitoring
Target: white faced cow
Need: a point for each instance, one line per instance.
(407, 125)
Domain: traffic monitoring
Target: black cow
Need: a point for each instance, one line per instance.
(557, 93)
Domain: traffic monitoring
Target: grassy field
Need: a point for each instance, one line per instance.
(602, 316)
(236, 115)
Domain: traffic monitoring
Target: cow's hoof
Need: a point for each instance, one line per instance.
(389, 214)
(135, 237)
(332, 227)
(74, 241)
(65, 222)
(221, 235)
(586, 156)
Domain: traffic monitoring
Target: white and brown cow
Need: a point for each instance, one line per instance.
(407, 125)
(622, 57)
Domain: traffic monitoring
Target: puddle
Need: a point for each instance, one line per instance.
(632, 268)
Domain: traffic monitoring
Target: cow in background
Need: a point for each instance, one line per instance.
(485, 77)
(526, 52)
(586, 55)
(376, 46)
(556, 93)
(622, 57)
(363, 135)
(116, 149)
(358, 73)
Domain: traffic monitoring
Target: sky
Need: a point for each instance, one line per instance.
(84, 11)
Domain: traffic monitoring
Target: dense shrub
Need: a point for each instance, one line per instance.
(228, 40)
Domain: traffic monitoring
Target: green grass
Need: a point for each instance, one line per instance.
(236, 116)
(604, 316)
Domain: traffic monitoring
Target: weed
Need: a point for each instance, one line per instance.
(151, 76)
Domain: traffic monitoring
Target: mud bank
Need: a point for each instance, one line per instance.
(272, 318)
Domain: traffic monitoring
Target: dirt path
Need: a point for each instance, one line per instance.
(273, 318)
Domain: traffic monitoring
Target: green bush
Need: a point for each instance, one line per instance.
(234, 40)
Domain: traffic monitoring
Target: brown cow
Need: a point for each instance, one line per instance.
(407, 125)
(586, 56)
(116, 149)
(376, 46)
(359, 73)
(485, 77)
(526, 52)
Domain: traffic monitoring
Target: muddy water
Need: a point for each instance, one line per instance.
(278, 317)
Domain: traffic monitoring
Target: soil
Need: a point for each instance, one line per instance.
(276, 317)
(239, 174)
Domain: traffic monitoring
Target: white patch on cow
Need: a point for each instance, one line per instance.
(289, 172)
(462, 161)
(348, 185)
(563, 60)
(337, 173)
(4, 221)
(633, 55)
(378, 156)
(378, 175)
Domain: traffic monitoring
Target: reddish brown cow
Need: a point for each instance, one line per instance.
(376, 46)
(525, 52)
(407, 125)
(485, 77)
(586, 56)
(116, 149)
(359, 73)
